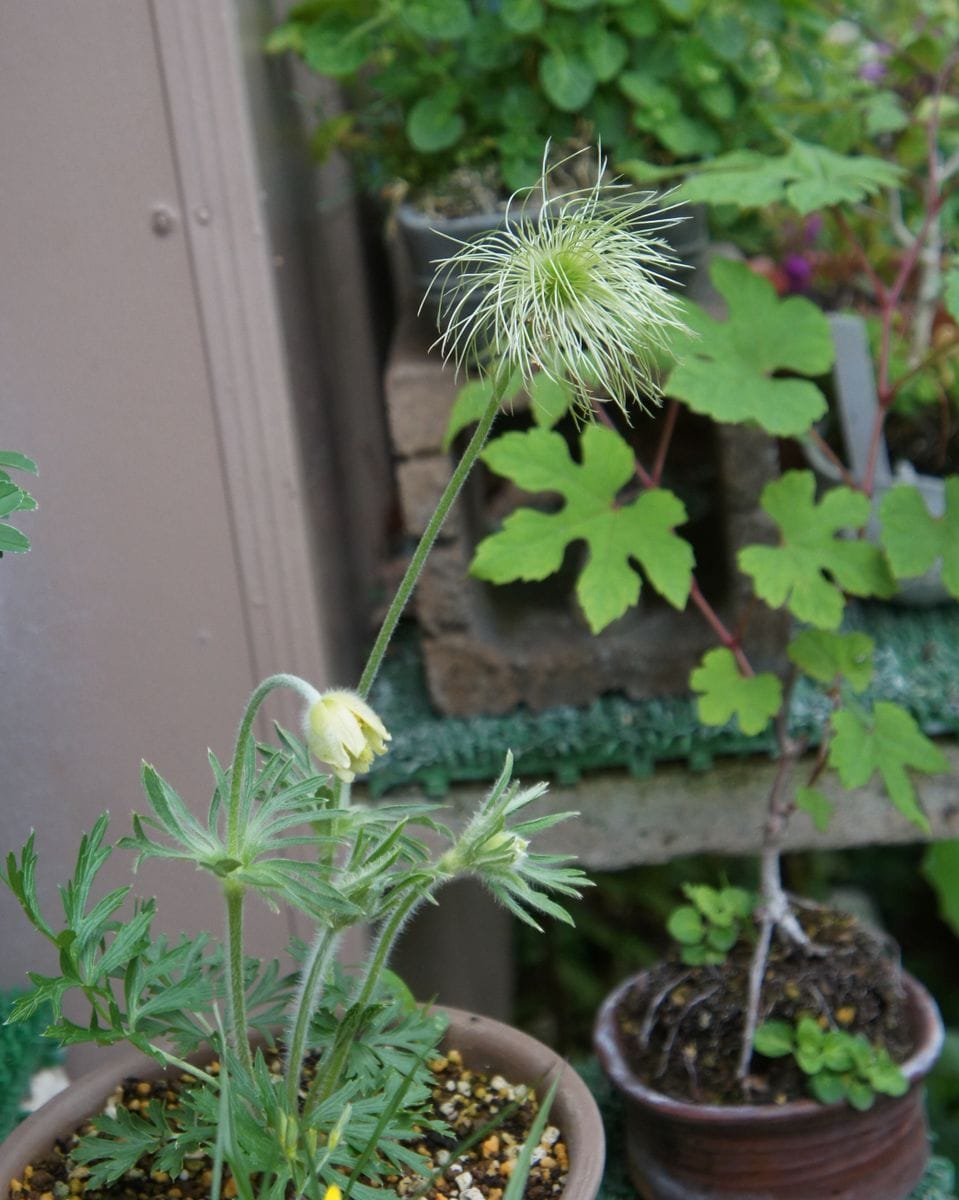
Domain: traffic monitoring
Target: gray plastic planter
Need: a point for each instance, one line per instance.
(857, 405)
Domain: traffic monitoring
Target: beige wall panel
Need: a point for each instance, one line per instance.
(122, 633)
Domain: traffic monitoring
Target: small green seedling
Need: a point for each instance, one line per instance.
(840, 1065)
(709, 927)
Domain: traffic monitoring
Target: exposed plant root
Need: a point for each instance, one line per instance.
(776, 917)
(649, 1020)
(701, 998)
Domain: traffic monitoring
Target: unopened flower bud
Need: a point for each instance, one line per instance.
(342, 730)
(509, 845)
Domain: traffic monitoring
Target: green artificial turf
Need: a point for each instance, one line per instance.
(917, 666)
(23, 1052)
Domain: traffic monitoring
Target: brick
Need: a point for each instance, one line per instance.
(420, 394)
(487, 648)
(421, 482)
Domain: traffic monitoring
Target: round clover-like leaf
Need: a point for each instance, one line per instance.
(568, 80)
(433, 123)
(774, 1039)
(438, 18)
(685, 925)
(827, 1087)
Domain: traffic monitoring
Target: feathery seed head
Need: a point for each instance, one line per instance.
(574, 287)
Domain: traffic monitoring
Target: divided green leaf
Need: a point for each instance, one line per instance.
(914, 539)
(806, 178)
(818, 806)
(471, 401)
(830, 657)
(726, 693)
(531, 544)
(890, 743)
(550, 400)
(728, 369)
(814, 563)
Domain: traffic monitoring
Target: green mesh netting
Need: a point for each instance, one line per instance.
(938, 1183)
(23, 1052)
(917, 665)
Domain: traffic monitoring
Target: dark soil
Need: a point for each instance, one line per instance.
(466, 1100)
(928, 438)
(681, 1029)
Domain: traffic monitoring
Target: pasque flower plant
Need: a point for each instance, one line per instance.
(284, 829)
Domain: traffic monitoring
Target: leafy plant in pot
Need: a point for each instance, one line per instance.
(711, 1031)
(871, 237)
(448, 102)
(341, 1103)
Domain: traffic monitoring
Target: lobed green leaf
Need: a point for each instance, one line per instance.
(914, 539)
(806, 178)
(729, 370)
(818, 806)
(814, 563)
(828, 657)
(531, 544)
(724, 693)
(890, 743)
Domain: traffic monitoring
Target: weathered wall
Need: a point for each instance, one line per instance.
(156, 359)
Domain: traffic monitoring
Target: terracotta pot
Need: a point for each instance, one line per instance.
(486, 1045)
(798, 1151)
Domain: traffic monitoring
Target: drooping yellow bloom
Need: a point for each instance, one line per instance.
(332, 1193)
(343, 731)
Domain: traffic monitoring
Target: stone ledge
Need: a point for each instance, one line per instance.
(626, 822)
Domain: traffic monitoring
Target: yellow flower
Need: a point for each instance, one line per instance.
(343, 731)
(332, 1193)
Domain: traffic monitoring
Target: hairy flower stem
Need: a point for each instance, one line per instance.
(239, 1029)
(327, 1080)
(420, 554)
(234, 893)
(313, 975)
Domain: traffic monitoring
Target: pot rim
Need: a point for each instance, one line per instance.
(575, 1110)
(929, 1036)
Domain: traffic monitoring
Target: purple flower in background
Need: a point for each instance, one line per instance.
(798, 271)
(872, 71)
(873, 67)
